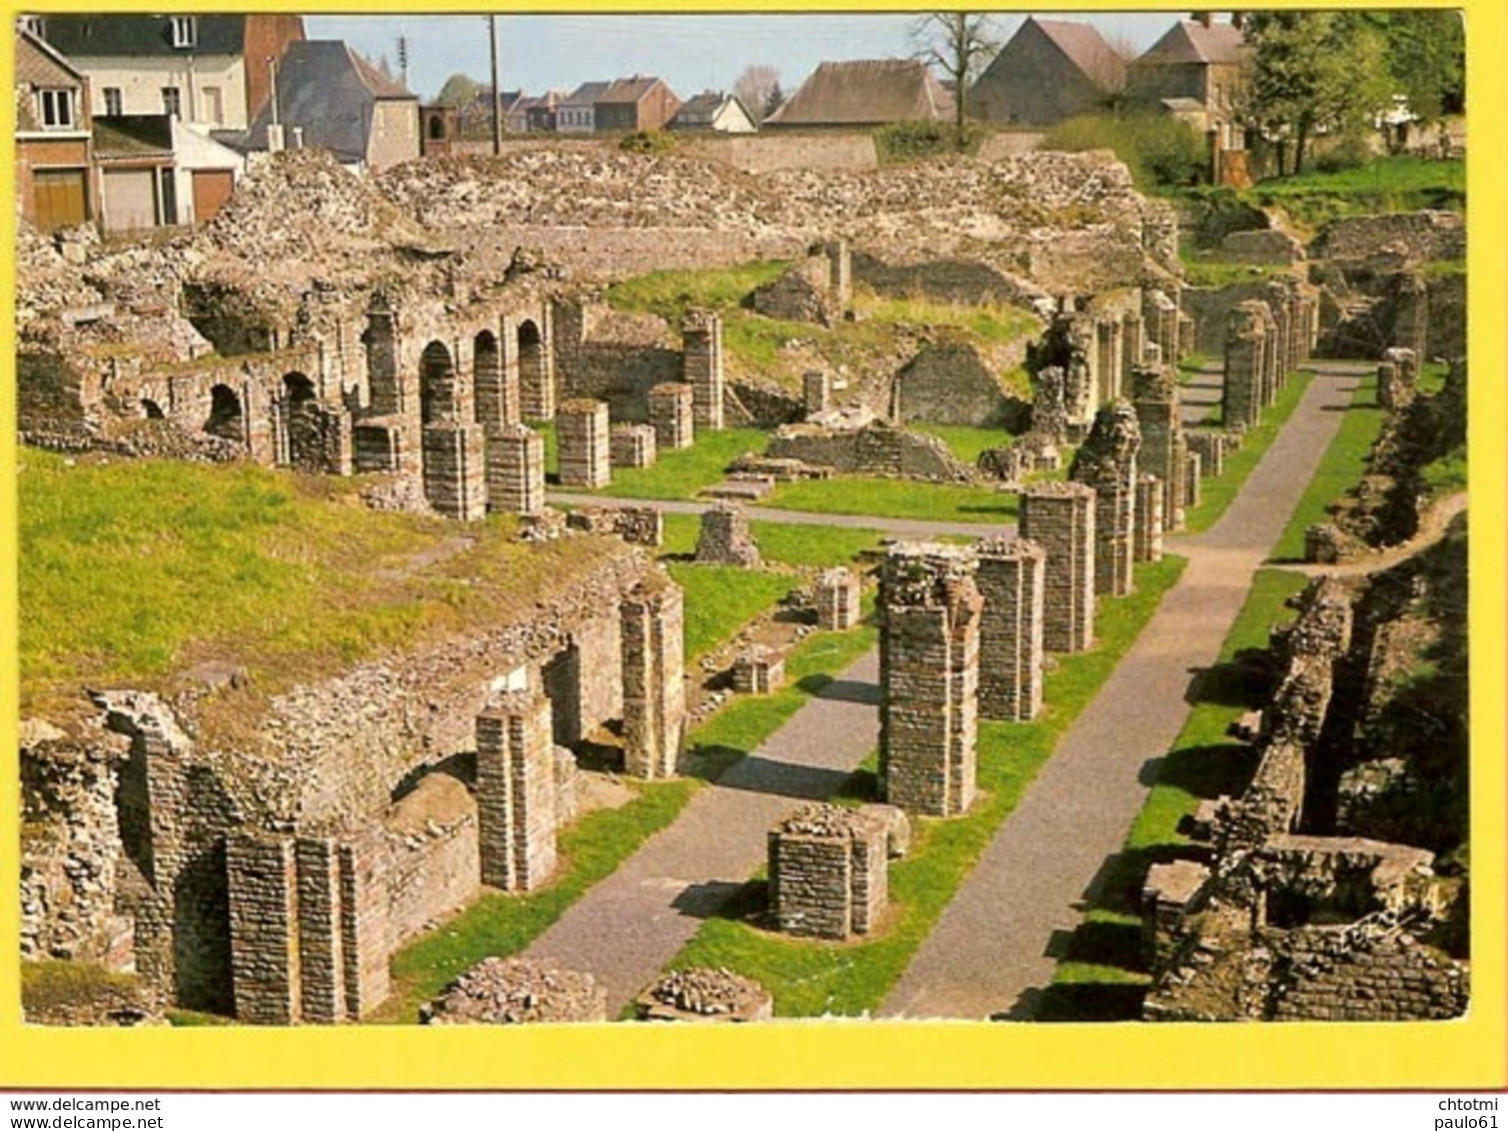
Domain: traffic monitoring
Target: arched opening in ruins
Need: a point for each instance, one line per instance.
(437, 128)
(561, 677)
(300, 410)
(225, 418)
(532, 372)
(437, 384)
(487, 366)
(151, 410)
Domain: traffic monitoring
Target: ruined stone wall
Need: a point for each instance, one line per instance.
(1402, 238)
(828, 870)
(1446, 300)
(950, 383)
(817, 151)
(942, 280)
(1214, 309)
(432, 848)
(1059, 517)
(876, 448)
(1106, 462)
(1322, 976)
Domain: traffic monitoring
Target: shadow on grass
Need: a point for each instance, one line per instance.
(1088, 1001)
(1099, 943)
(1209, 772)
(1245, 681)
(704, 901)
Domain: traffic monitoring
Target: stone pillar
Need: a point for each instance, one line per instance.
(670, 412)
(320, 940)
(391, 394)
(839, 273)
(1049, 404)
(1133, 345)
(1147, 546)
(455, 470)
(1010, 580)
(581, 430)
(1111, 357)
(829, 872)
(1244, 349)
(1211, 448)
(1162, 444)
(837, 600)
(632, 445)
(816, 392)
(1059, 517)
(363, 924)
(1161, 314)
(389, 445)
(702, 366)
(516, 470)
(497, 392)
(725, 539)
(654, 677)
(515, 778)
(758, 670)
(261, 878)
(1186, 335)
(1107, 462)
(929, 677)
(1192, 465)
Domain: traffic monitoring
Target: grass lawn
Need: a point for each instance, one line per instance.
(1344, 463)
(896, 498)
(964, 442)
(719, 598)
(594, 847)
(787, 543)
(133, 569)
(811, 978)
(677, 473)
(1216, 494)
(1103, 957)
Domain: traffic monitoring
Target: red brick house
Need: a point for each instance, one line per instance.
(639, 103)
(54, 145)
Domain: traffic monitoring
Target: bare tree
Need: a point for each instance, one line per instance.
(758, 88)
(957, 44)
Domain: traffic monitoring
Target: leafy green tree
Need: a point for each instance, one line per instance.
(1426, 58)
(459, 90)
(1314, 72)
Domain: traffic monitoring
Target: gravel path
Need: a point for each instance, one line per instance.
(990, 952)
(624, 930)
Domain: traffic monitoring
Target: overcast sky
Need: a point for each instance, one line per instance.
(691, 52)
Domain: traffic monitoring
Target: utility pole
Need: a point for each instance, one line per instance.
(403, 59)
(497, 92)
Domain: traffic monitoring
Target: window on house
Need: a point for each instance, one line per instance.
(172, 101)
(185, 31)
(57, 108)
(113, 102)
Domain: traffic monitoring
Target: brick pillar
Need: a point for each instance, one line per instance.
(670, 413)
(320, 938)
(828, 872)
(455, 470)
(1192, 465)
(1147, 545)
(581, 429)
(261, 877)
(391, 394)
(1211, 448)
(1111, 357)
(816, 392)
(929, 676)
(1010, 580)
(1133, 344)
(515, 776)
(1107, 462)
(1244, 348)
(702, 366)
(497, 393)
(1186, 335)
(1162, 444)
(654, 677)
(516, 470)
(837, 600)
(631, 445)
(1059, 517)
(364, 924)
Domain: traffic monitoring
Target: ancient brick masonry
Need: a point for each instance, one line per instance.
(1396, 375)
(1209, 446)
(1147, 541)
(1245, 346)
(1163, 452)
(516, 470)
(758, 671)
(702, 994)
(515, 775)
(455, 470)
(725, 538)
(1107, 462)
(702, 331)
(829, 874)
(670, 413)
(581, 427)
(1059, 517)
(632, 445)
(929, 677)
(816, 392)
(837, 600)
(654, 690)
(1010, 580)
(516, 991)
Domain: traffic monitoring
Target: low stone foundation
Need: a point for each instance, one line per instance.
(828, 873)
(725, 538)
(758, 671)
(517, 991)
(701, 994)
(838, 608)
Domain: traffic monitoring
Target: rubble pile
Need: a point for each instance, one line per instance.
(512, 991)
(707, 993)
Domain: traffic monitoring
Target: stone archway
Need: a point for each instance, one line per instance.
(437, 384)
(301, 423)
(151, 409)
(226, 419)
(538, 400)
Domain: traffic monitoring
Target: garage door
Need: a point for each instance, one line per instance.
(130, 199)
(212, 188)
(60, 198)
